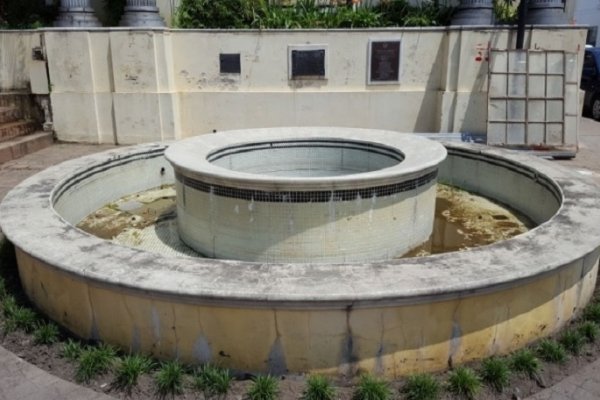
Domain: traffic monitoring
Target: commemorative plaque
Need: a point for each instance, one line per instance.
(384, 61)
(308, 64)
(230, 63)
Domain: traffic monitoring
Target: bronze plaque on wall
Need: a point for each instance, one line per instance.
(384, 62)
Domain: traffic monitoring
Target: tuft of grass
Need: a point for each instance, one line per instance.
(589, 330)
(318, 387)
(129, 370)
(213, 381)
(464, 382)
(496, 373)
(372, 388)
(9, 306)
(263, 387)
(526, 362)
(94, 361)
(24, 318)
(421, 387)
(551, 351)
(72, 349)
(46, 333)
(572, 341)
(592, 312)
(169, 379)
(3, 289)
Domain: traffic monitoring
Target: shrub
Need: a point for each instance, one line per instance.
(24, 318)
(592, 312)
(589, 330)
(72, 350)
(551, 351)
(94, 361)
(129, 370)
(318, 387)
(213, 381)
(169, 379)
(572, 340)
(526, 362)
(421, 387)
(464, 382)
(264, 387)
(46, 333)
(496, 373)
(372, 388)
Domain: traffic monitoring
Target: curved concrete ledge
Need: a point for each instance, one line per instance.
(391, 317)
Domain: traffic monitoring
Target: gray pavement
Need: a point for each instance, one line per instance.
(20, 380)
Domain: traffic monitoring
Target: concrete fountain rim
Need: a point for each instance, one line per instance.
(29, 221)
(191, 157)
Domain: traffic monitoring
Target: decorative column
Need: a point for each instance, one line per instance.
(76, 13)
(474, 12)
(141, 13)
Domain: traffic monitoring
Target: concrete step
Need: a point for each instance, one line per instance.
(9, 114)
(18, 128)
(23, 145)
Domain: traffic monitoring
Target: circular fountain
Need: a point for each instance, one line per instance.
(392, 317)
(305, 194)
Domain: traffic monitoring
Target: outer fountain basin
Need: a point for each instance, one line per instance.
(394, 317)
(305, 194)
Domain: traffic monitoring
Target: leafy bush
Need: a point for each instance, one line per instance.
(94, 361)
(572, 340)
(263, 387)
(46, 333)
(213, 381)
(169, 379)
(19, 14)
(526, 362)
(464, 382)
(372, 388)
(129, 370)
(421, 387)
(496, 373)
(551, 351)
(318, 387)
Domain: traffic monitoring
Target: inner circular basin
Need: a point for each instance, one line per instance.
(305, 194)
(306, 158)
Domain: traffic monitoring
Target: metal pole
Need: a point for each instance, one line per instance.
(76, 13)
(521, 23)
(142, 13)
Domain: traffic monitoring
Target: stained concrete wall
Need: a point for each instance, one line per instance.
(129, 86)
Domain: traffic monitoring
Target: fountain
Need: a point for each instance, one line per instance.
(391, 317)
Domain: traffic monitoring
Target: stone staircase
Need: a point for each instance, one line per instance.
(20, 133)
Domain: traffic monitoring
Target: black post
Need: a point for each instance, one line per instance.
(521, 23)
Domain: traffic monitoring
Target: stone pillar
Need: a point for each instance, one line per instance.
(547, 12)
(76, 13)
(141, 13)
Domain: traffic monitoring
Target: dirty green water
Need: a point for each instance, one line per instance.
(146, 220)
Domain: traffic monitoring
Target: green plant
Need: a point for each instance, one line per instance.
(72, 350)
(318, 387)
(590, 330)
(3, 289)
(94, 361)
(551, 351)
(572, 341)
(169, 379)
(496, 373)
(263, 387)
(421, 387)
(212, 381)
(24, 318)
(506, 11)
(372, 388)
(526, 362)
(9, 306)
(592, 312)
(46, 333)
(464, 382)
(129, 370)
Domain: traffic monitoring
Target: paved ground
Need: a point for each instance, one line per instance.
(22, 381)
